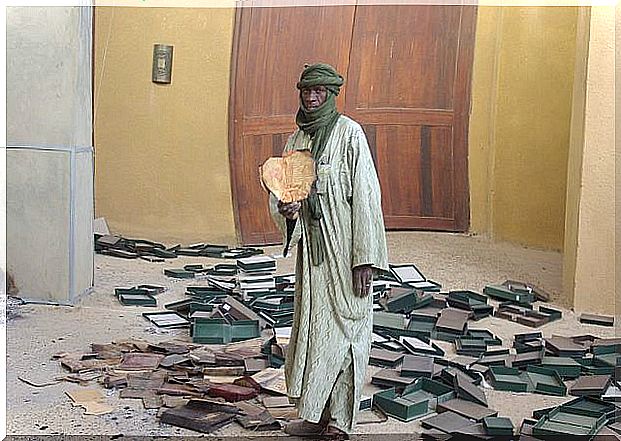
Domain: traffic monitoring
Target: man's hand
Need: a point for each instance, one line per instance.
(363, 279)
(289, 210)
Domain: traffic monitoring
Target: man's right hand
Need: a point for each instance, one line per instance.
(289, 210)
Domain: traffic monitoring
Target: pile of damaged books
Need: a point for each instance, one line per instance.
(256, 277)
(118, 246)
(229, 309)
(402, 309)
(194, 386)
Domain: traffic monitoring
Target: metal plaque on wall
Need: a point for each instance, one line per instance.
(162, 63)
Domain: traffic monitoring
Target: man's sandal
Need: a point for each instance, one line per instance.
(335, 434)
(304, 428)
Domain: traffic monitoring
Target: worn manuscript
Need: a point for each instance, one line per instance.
(291, 177)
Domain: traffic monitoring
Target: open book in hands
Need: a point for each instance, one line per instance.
(289, 178)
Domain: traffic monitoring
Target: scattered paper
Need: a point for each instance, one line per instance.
(91, 400)
(283, 335)
(272, 380)
(38, 383)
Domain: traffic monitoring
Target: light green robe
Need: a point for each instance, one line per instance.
(329, 320)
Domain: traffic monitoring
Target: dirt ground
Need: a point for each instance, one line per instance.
(38, 332)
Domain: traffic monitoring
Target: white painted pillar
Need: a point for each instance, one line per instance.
(49, 151)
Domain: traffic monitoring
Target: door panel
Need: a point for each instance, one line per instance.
(398, 199)
(282, 40)
(407, 71)
(403, 57)
(404, 86)
(415, 178)
(438, 171)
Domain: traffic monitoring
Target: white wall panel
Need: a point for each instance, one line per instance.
(38, 209)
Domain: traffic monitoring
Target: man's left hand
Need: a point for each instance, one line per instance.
(363, 278)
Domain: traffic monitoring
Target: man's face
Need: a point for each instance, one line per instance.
(314, 96)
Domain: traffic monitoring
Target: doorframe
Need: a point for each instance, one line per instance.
(462, 110)
(233, 162)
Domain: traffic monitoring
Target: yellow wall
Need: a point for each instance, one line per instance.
(161, 155)
(483, 114)
(519, 132)
(594, 277)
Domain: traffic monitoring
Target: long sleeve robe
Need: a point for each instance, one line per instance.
(330, 321)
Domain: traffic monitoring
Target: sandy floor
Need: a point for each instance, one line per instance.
(456, 261)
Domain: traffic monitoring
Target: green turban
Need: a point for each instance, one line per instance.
(321, 74)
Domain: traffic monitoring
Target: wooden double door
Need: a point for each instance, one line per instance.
(407, 72)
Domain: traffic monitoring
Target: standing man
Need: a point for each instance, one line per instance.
(342, 239)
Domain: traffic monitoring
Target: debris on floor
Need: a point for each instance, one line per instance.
(13, 307)
(92, 400)
(228, 367)
(37, 382)
(200, 392)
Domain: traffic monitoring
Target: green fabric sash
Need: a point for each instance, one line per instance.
(318, 124)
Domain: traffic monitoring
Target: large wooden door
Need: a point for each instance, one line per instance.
(407, 71)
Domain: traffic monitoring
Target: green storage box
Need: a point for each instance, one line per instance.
(509, 379)
(134, 290)
(469, 346)
(435, 391)
(503, 293)
(179, 273)
(498, 426)
(244, 330)
(591, 407)
(210, 331)
(546, 381)
(420, 328)
(401, 299)
(566, 367)
(489, 338)
(137, 300)
(536, 379)
(400, 408)
(418, 399)
(562, 421)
